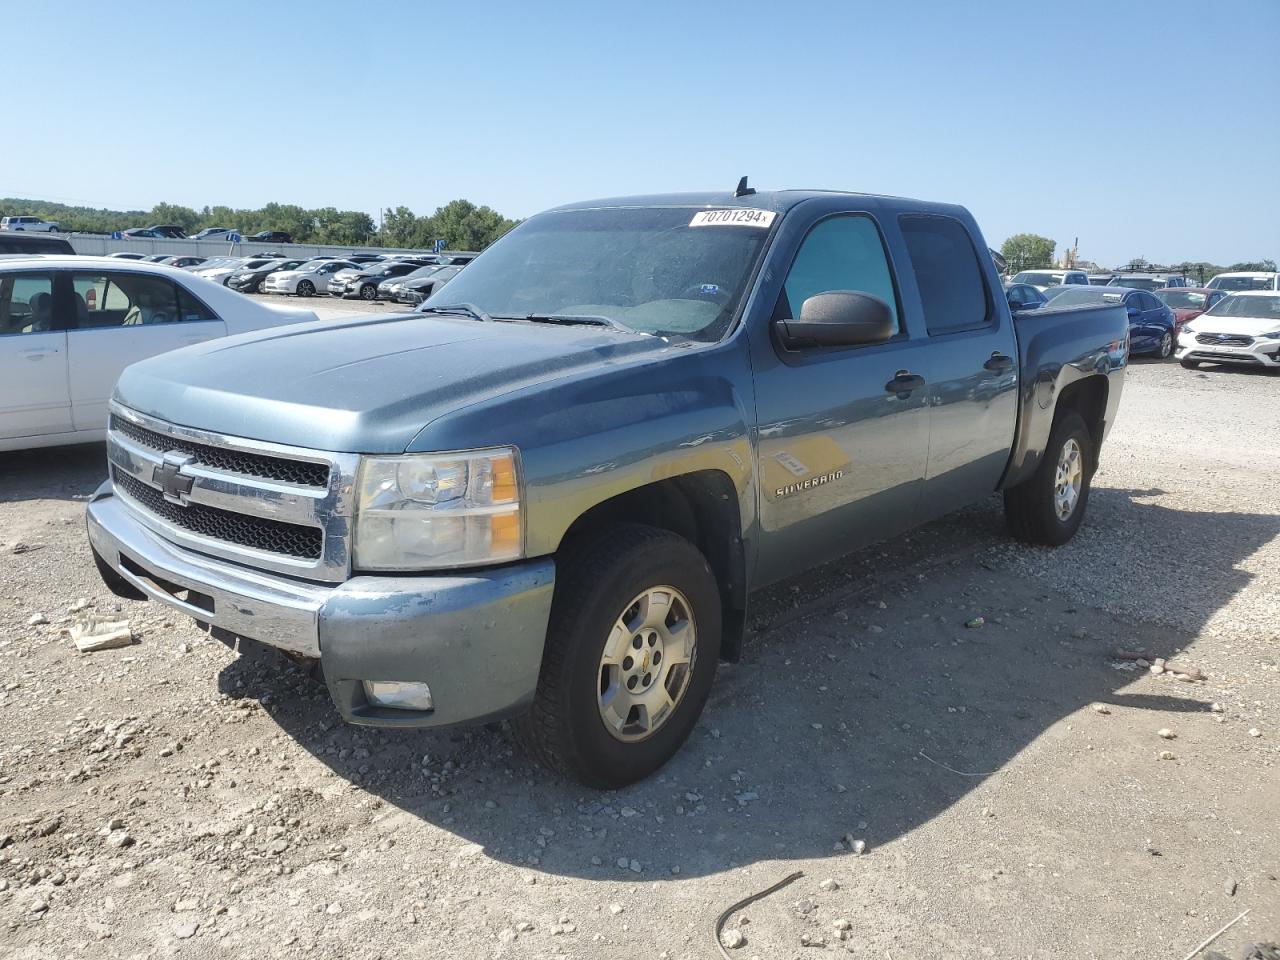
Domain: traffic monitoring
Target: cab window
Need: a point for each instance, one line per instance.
(843, 252)
(948, 274)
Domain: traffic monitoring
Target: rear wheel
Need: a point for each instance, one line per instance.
(1165, 350)
(1049, 507)
(306, 288)
(630, 655)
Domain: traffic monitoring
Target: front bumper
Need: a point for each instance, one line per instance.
(1260, 353)
(475, 637)
(346, 290)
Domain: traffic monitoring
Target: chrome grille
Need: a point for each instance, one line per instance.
(1223, 339)
(265, 505)
(270, 536)
(234, 461)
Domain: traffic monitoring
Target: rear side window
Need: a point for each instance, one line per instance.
(840, 253)
(948, 274)
(123, 300)
(26, 303)
(189, 308)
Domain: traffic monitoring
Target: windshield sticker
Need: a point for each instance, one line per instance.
(733, 218)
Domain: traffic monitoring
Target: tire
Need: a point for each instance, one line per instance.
(53, 229)
(306, 288)
(1165, 350)
(597, 584)
(1032, 508)
(1190, 364)
(368, 292)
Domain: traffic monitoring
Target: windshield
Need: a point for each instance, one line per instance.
(1265, 308)
(1182, 299)
(1039, 278)
(645, 267)
(1054, 292)
(1079, 293)
(1242, 283)
(1137, 283)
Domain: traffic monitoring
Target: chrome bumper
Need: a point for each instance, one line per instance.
(476, 638)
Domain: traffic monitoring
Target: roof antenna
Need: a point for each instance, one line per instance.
(743, 190)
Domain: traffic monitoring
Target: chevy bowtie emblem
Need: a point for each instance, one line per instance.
(169, 478)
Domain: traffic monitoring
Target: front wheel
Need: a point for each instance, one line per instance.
(306, 288)
(1190, 364)
(368, 292)
(630, 655)
(1048, 507)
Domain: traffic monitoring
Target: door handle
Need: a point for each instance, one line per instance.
(999, 363)
(37, 353)
(903, 383)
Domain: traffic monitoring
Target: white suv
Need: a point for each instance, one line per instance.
(33, 224)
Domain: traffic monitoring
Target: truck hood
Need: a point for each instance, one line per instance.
(365, 387)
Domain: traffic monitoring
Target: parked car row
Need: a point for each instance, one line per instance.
(1234, 327)
(171, 231)
(399, 277)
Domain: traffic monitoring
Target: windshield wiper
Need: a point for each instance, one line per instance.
(573, 319)
(459, 310)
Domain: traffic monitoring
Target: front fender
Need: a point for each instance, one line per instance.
(589, 437)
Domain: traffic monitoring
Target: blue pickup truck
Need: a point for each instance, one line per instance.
(549, 493)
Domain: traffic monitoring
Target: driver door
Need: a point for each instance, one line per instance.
(120, 318)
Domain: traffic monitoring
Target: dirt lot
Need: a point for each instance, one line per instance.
(175, 798)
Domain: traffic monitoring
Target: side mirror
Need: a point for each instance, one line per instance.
(839, 318)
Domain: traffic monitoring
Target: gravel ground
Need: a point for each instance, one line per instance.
(1007, 780)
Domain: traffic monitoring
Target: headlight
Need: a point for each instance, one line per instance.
(436, 511)
(1273, 335)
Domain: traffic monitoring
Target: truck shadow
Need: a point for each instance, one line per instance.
(25, 474)
(864, 705)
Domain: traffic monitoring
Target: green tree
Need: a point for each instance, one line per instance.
(168, 213)
(400, 228)
(1027, 251)
(464, 226)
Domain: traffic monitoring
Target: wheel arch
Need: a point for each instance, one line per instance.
(701, 506)
(1087, 397)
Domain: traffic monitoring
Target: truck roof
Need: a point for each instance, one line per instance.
(779, 201)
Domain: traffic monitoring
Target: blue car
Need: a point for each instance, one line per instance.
(1151, 323)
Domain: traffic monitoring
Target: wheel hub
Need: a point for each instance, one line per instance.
(646, 664)
(1068, 480)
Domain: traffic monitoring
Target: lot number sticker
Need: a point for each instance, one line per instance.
(733, 218)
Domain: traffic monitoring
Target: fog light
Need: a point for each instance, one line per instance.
(401, 696)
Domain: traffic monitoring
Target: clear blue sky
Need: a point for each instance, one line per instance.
(1144, 128)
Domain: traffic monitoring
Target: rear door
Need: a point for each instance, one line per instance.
(973, 351)
(120, 318)
(843, 432)
(34, 400)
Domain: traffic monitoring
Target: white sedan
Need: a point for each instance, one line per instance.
(1243, 328)
(307, 279)
(70, 325)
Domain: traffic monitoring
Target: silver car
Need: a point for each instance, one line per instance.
(307, 279)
